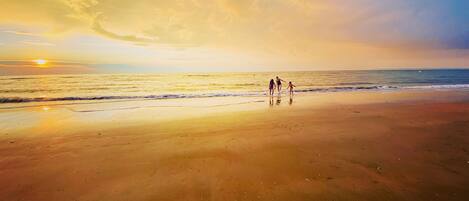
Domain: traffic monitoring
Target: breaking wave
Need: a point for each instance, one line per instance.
(222, 94)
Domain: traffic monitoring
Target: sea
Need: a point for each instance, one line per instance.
(105, 87)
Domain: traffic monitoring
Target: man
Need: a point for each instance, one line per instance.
(279, 84)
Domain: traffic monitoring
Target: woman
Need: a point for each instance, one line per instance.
(271, 87)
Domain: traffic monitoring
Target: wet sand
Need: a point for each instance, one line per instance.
(338, 146)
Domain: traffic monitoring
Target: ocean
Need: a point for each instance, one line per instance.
(102, 87)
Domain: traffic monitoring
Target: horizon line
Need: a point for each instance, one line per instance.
(258, 71)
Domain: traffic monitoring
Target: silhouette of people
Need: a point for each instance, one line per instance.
(271, 87)
(279, 84)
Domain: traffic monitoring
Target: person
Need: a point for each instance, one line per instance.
(279, 84)
(271, 87)
(290, 87)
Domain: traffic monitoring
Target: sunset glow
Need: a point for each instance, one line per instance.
(232, 35)
(40, 62)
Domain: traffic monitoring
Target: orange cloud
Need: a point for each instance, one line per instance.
(274, 33)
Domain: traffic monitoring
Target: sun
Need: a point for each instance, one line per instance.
(40, 62)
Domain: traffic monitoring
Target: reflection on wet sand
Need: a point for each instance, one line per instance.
(278, 100)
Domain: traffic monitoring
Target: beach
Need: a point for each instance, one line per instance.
(393, 145)
(234, 100)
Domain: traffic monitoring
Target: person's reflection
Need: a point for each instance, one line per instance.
(279, 100)
(291, 100)
(271, 101)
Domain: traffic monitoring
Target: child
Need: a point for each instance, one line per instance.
(290, 87)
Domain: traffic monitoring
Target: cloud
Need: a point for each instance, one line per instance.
(131, 38)
(20, 33)
(290, 32)
(37, 43)
(260, 22)
(50, 14)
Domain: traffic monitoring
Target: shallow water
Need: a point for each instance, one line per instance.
(19, 89)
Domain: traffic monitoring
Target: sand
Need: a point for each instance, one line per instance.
(410, 145)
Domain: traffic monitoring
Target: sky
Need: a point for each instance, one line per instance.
(139, 36)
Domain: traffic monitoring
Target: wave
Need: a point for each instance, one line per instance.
(354, 83)
(20, 78)
(355, 88)
(443, 86)
(199, 75)
(222, 94)
(91, 98)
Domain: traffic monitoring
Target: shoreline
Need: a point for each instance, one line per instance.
(78, 115)
(20, 105)
(10, 102)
